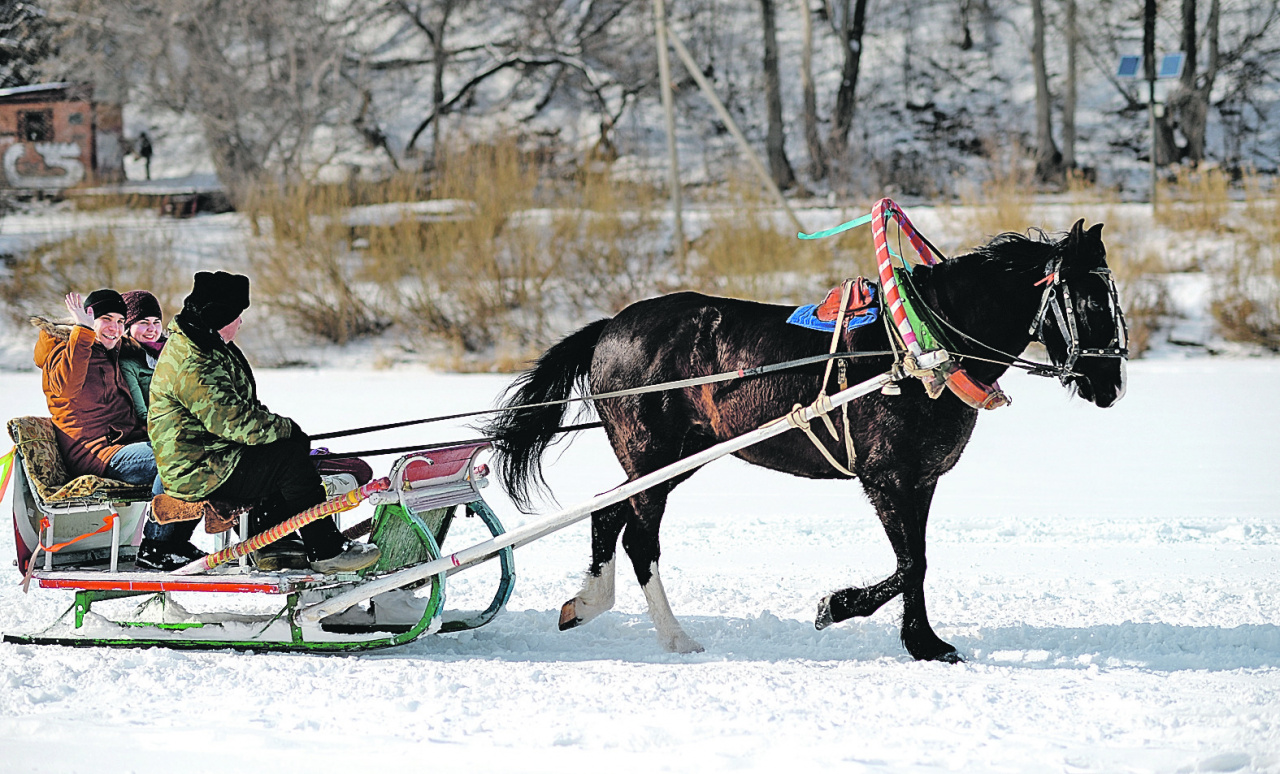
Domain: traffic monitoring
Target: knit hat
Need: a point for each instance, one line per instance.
(104, 302)
(218, 298)
(141, 305)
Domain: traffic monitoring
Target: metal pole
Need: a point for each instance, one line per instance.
(668, 108)
(483, 551)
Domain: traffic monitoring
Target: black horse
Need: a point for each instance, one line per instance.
(995, 300)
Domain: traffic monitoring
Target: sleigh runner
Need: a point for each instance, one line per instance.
(91, 530)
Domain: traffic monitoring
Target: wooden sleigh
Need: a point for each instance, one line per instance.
(93, 527)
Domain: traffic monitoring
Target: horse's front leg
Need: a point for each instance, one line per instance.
(597, 593)
(904, 514)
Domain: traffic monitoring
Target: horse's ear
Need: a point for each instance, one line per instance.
(1095, 232)
(1077, 230)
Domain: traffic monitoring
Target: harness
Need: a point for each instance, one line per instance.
(921, 347)
(1055, 302)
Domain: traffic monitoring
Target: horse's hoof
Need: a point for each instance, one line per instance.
(946, 654)
(682, 643)
(569, 616)
(824, 618)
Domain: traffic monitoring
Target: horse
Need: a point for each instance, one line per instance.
(996, 300)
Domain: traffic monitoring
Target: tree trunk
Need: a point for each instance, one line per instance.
(439, 60)
(812, 139)
(850, 34)
(1069, 91)
(1048, 158)
(1190, 105)
(775, 140)
(1162, 132)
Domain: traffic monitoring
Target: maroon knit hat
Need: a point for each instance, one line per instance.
(140, 304)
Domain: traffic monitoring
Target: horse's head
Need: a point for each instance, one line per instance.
(1080, 321)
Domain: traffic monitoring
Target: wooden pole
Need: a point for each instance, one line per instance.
(668, 108)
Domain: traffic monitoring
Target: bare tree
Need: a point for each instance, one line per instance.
(25, 41)
(849, 28)
(1069, 88)
(260, 76)
(558, 45)
(775, 138)
(812, 138)
(1048, 158)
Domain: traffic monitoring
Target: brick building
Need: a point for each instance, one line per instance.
(54, 136)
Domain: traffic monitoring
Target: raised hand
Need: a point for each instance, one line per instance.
(75, 305)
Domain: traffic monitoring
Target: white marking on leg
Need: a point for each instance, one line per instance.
(596, 595)
(670, 635)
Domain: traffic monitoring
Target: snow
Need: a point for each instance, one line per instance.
(1109, 575)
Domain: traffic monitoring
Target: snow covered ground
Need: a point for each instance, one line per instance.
(1109, 575)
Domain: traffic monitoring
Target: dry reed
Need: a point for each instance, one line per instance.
(37, 279)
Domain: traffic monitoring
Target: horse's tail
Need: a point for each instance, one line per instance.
(521, 436)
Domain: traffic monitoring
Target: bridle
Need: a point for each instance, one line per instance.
(1056, 303)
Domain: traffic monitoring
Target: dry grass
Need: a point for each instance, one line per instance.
(1245, 299)
(751, 251)
(301, 266)
(37, 280)
(474, 277)
(609, 235)
(1196, 200)
(1143, 295)
(1004, 199)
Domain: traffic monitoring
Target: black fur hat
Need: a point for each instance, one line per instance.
(218, 297)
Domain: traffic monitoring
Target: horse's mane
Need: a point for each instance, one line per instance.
(1016, 252)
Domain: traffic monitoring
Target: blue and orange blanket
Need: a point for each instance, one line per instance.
(861, 310)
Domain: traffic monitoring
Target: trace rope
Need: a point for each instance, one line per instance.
(724, 376)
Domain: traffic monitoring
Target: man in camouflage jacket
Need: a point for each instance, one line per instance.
(215, 440)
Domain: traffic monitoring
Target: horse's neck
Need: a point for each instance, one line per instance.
(988, 303)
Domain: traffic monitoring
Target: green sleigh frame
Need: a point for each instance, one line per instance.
(430, 489)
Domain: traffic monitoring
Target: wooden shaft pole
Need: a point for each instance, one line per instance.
(523, 535)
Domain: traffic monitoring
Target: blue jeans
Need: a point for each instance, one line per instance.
(136, 464)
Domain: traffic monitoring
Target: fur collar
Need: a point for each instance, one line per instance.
(57, 329)
(62, 332)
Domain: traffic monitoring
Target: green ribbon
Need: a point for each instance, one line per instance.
(865, 219)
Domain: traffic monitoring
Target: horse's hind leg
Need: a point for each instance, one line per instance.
(597, 592)
(904, 514)
(641, 543)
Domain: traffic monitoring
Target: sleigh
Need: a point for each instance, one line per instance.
(80, 535)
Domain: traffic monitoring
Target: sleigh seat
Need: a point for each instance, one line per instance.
(50, 505)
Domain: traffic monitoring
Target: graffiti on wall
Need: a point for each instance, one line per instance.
(51, 165)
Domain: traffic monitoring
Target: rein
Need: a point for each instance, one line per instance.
(677, 384)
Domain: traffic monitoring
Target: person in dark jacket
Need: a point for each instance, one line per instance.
(215, 440)
(144, 324)
(96, 428)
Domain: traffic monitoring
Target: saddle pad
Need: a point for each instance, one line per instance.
(861, 309)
